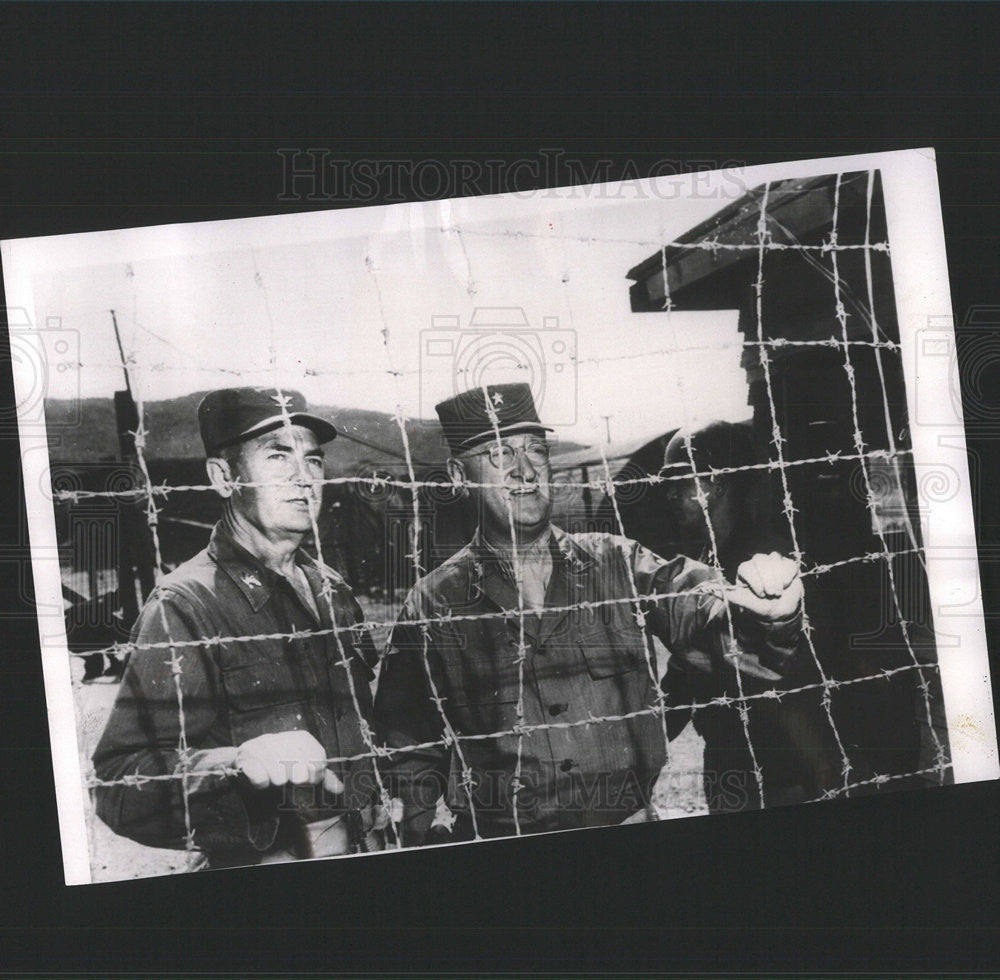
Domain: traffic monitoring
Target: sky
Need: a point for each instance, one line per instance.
(402, 306)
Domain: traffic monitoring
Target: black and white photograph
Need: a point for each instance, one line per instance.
(381, 528)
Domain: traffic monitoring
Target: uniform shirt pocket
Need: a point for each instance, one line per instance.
(482, 692)
(608, 654)
(265, 684)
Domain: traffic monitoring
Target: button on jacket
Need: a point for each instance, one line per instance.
(584, 658)
(233, 690)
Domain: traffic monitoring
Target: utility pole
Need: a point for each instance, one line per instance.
(607, 427)
(136, 558)
(121, 352)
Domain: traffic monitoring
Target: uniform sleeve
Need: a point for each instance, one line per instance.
(694, 624)
(684, 609)
(405, 714)
(143, 735)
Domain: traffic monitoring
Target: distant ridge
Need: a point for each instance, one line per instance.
(85, 432)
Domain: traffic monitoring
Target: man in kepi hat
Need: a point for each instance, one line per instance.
(261, 696)
(508, 712)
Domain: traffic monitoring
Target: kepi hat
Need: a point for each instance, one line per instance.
(476, 416)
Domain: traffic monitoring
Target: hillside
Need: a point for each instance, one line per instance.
(86, 432)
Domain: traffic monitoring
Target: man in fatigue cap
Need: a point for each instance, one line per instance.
(263, 693)
(458, 675)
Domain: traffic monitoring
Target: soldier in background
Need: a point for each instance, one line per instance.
(792, 738)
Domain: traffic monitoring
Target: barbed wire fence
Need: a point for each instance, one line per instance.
(381, 756)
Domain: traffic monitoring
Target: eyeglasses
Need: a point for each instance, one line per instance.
(504, 457)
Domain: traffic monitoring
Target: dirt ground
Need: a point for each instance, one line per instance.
(678, 792)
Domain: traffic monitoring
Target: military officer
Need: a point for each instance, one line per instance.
(502, 656)
(242, 717)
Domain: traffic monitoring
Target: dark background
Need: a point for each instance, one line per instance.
(121, 115)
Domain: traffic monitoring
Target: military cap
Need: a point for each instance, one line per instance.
(229, 416)
(714, 445)
(473, 417)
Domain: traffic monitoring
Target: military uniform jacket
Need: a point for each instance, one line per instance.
(234, 689)
(459, 680)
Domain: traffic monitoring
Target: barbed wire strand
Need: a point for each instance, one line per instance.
(881, 780)
(429, 370)
(466, 780)
(327, 589)
(522, 653)
(777, 440)
(734, 650)
(883, 387)
(118, 649)
(374, 480)
(446, 741)
(707, 245)
(176, 661)
(859, 445)
(640, 620)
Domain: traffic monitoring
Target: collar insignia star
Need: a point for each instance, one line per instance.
(497, 398)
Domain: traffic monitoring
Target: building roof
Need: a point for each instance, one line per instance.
(797, 208)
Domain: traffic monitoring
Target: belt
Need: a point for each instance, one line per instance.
(332, 837)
